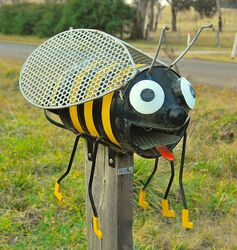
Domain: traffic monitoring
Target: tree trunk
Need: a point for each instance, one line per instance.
(139, 25)
(174, 17)
(220, 23)
(148, 32)
(218, 6)
(151, 15)
(158, 14)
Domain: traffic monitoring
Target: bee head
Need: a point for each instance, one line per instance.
(156, 109)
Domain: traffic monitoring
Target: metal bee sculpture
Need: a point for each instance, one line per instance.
(106, 91)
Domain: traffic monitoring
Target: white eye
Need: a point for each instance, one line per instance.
(146, 97)
(187, 92)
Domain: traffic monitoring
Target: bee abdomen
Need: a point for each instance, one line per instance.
(94, 118)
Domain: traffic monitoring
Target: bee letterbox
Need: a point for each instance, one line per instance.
(106, 91)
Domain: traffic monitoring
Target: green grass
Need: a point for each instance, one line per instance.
(33, 154)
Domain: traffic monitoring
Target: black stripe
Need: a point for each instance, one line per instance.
(65, 118)
(81, 117)
(97, 117)
(113, 113)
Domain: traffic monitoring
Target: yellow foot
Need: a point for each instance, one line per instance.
(96, 227)
(166, 212)
(141, 200)
(185, 219)
(57, 192)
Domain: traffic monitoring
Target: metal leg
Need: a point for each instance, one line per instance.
(185, 214)
(57, 192)
(95, 219)
(141, 197)
(170, 181)
(181, 171)
(166, 212)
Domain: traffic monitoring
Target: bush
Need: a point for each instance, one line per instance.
(47, 19)
(20, 18)
(47, 24)
(107, 15)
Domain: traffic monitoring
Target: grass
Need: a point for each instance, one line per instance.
(31, 40)
(33, 154)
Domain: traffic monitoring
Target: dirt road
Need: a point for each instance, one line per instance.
(203, 72)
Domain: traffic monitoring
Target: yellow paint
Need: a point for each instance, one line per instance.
(79, 79)
(185, 219)
(141, 200)
(96, 228)
(57, 192)
(166, 212)
(106, 104)
(88, 114)
(75, 120)
(55, 88)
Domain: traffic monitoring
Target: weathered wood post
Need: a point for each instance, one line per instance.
(113, 195)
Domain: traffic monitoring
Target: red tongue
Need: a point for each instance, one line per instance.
(164, 151)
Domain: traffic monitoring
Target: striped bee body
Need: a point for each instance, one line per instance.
(94, 118)
(109, 92)
(134, 118)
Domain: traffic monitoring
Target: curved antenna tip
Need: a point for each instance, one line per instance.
(207, 26)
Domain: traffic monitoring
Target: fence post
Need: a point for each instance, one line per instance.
(188, 39)
(113, 194)
(233, 53)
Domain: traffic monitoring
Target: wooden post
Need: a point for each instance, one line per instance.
(234, 49)
(113, 195)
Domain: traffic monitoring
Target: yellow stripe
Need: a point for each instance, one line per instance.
(106, 104)
(75, 120)
(88, 114)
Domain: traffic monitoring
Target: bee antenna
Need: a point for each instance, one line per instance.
(210, 26)
(166, 27)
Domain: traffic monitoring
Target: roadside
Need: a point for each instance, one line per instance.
(197, 52)
(219, 74)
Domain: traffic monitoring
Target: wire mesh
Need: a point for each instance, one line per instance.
(75, 66)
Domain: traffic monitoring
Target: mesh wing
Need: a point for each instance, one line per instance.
(75, 66)
(139, 57)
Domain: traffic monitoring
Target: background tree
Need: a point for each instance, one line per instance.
(177, 6)
(205, 7)
(154, 6)
(139, 23)
(150, 17)
(228, 3)
(218, 6)
(106, 15)
(159, 9)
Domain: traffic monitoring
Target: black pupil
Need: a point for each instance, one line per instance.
(192, 92)
(147, 95)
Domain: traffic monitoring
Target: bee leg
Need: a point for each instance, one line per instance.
(166, 212)
(57, 192)
(95, 219)
(142, 194)
(185, 213)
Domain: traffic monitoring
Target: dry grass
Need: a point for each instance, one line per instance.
(32, 40)
(33, 154)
